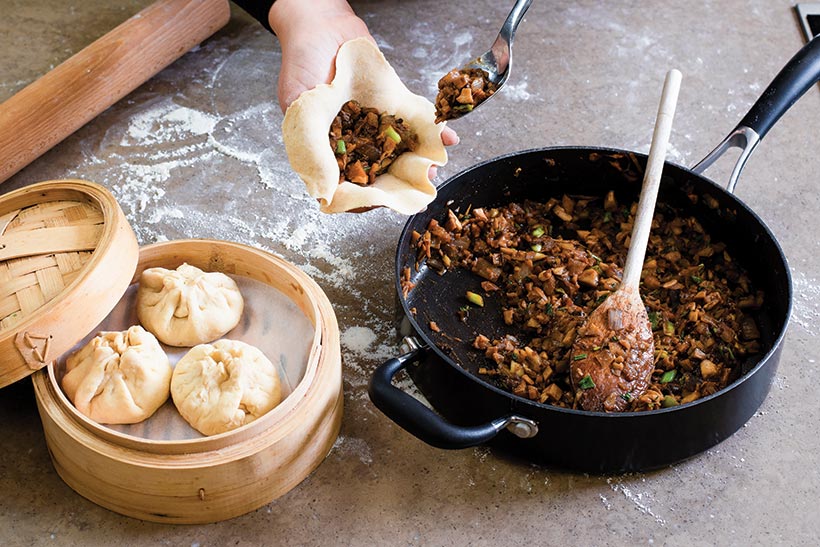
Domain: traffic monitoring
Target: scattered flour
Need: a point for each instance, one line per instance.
(806, 310)
(641, 500)
(360, 341)
(363, 345)
(163, 121)
(516, 91)
(351, 446)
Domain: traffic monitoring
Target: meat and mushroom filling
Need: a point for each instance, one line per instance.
(551, 264)
(367, 141)
(461, 90)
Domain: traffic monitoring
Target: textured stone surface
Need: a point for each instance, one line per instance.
(197, 152)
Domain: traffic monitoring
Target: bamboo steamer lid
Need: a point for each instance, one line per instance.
(67, 254)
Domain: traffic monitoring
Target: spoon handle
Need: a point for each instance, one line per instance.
(516, 14)
(651, 180)
(501, 48)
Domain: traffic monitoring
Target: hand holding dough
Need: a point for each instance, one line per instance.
(187, 306)
(363, 74)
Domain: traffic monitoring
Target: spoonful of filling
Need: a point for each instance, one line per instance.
(461, 90)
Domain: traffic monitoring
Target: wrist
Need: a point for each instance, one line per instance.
(290, 14)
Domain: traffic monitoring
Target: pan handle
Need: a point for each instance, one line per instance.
(800, 73)
(426, 425)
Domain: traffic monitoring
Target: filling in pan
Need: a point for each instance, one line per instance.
(461, 90)
(550, 264)
(367, 141)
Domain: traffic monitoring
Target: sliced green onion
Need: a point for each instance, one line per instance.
(536, 247)
(550, 311)
(391, 134)
(538, 231)
(697, 279)
(668, 376)
(653, 319)
(669, 328)
(463, 108)
(626, 396)
(668, 401)
(341, 147)
(476, 299)
(579, 357)
(607, 216)
(586, 382)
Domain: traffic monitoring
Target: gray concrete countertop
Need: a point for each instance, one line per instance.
(197, 152)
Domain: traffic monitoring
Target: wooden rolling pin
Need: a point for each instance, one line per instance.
(47, 111)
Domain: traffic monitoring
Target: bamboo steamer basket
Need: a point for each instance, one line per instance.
(186, 481)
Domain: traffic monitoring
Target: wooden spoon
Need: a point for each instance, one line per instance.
(612, 358)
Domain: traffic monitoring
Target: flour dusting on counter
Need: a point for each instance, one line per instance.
(351, 446)
(641, 500)
(361, 344)
(806, 310)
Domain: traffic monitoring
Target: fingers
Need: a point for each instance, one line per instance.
(449, 137)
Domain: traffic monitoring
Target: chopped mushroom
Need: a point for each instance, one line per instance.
(366, 142)
(700, 304)
(461, 90)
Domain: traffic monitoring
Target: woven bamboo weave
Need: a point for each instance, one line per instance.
(42, 250)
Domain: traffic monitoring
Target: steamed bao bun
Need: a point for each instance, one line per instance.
(363, 74)
(118, 377)
(187, 306)
(225, 385)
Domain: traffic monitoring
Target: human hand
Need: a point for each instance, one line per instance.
(310, 34)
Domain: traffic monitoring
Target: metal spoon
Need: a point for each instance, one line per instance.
(497, 61)
(612, 358)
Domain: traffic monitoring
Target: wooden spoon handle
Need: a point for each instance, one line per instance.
(44, 113)
(651, 180)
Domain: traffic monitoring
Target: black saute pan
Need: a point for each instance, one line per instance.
(470, 410)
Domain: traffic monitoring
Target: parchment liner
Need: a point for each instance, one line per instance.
(270, 321)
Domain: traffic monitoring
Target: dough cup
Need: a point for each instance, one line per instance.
(363, 74)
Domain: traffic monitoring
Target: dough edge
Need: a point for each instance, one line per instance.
(363, 74)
